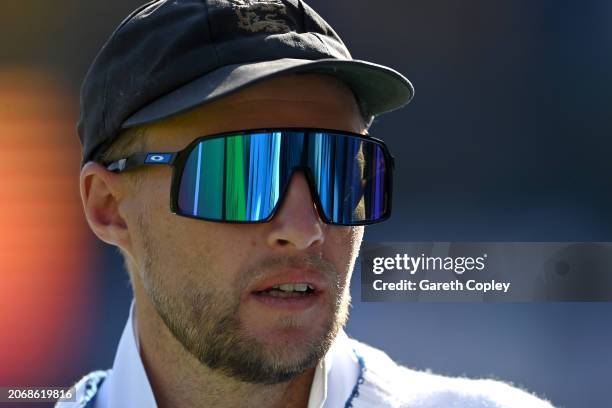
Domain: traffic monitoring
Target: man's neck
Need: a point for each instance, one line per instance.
(178, 379)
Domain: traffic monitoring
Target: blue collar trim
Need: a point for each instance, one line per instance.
(355, 392)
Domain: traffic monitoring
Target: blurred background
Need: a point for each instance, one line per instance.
(507, 139)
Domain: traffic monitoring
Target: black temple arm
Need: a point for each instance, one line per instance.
(141, 159)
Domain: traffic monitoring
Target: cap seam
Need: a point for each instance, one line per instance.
(209, 27)
(322, 42)
(301, 7)
(134, 13)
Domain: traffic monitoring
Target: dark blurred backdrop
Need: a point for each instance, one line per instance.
(507, 139)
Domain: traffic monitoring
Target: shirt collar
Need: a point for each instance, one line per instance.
(332, 388)
(128, 385)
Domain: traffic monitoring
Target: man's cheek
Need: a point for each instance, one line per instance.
(347, 241)
(347, 236)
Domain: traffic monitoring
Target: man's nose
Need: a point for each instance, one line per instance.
(296, 223)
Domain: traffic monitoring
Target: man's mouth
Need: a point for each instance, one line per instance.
(288, 290)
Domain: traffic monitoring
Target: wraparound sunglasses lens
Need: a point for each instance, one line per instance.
(242, 177)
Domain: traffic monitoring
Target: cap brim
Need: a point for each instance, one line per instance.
(378, 89)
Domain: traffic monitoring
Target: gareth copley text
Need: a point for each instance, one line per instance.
(413, 264)
(428, 286)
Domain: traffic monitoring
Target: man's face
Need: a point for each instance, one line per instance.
(203, 278)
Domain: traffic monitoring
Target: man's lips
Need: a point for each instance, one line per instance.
(293, 276)
(284, 301)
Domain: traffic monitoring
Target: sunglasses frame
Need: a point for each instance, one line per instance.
(178, 159)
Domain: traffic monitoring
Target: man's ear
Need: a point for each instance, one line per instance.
(101, 194)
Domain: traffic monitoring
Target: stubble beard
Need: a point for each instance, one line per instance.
(206, 322)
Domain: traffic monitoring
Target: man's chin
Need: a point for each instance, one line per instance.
(275, 356)
(290, 332)
(288, 342)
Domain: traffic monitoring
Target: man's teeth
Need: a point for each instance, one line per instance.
(290, 290)
(293, 287)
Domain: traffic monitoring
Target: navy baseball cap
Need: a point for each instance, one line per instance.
(169, 56)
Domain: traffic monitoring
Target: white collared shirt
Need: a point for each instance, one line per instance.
(127, 384)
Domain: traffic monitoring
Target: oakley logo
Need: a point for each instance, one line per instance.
(158, 158)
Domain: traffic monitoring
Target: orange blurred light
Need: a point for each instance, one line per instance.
(44, 241)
